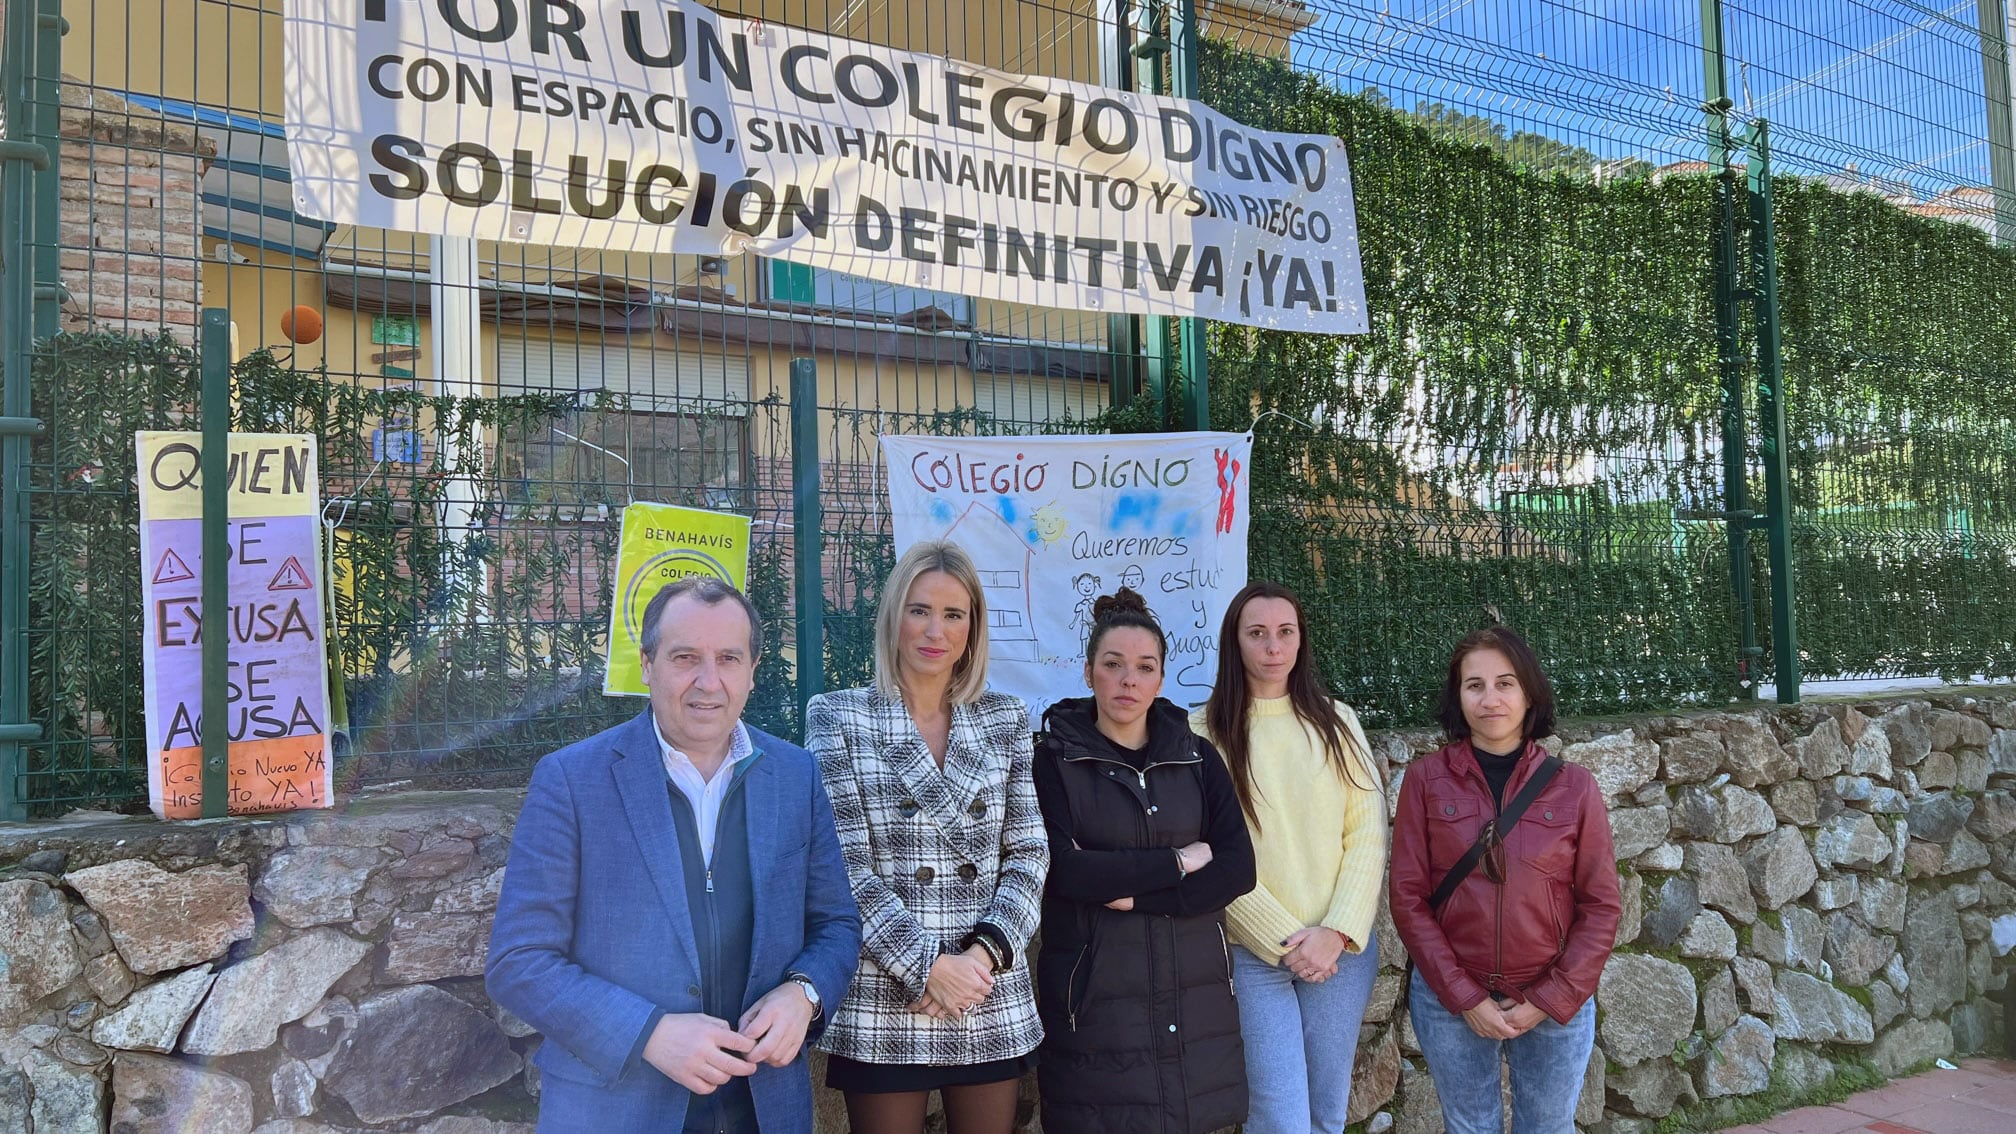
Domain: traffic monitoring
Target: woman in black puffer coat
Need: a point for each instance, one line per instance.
(1148, 846)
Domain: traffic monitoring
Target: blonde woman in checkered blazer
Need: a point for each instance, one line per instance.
(929, 774)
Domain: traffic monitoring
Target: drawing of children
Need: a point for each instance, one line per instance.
(1087, 586)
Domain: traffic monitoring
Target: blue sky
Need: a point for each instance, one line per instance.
(1893, 87)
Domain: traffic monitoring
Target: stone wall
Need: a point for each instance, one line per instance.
(233, 974)
(1806, 890)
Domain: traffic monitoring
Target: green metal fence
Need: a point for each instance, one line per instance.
(1591, 299)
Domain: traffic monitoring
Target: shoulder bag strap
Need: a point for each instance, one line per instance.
(1494, 831)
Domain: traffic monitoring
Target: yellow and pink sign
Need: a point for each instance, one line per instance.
(277, 712)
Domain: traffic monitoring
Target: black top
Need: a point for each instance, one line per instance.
(721, 899)
(1136, 758)
(1497, 768)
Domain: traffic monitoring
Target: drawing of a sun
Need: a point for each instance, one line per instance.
(1050, 523)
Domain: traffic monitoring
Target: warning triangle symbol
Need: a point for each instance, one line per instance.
(290, 577)
(171, 569)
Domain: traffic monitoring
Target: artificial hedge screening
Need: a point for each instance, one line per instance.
(1535, 414)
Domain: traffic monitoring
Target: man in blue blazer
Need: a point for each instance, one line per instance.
(675, 916)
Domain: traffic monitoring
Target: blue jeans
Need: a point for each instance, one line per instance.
(1549, 1065)
(1301, 1040)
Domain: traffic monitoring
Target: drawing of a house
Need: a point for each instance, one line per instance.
(1004, 562)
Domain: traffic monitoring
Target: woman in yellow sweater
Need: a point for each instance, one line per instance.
(1303, 957)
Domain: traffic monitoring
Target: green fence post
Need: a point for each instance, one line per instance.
(216, 621)
(1771, 410)
(1116, 69)
(19, 160)
(1196, 409)
(807, 540)
(1124, 349)
(1149, 53)
(1728, 338)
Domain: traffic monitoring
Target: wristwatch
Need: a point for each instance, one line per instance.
(811, 992)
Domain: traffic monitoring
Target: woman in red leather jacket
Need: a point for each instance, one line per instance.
(1507, 966)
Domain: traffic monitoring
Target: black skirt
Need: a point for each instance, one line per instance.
(843, 1074)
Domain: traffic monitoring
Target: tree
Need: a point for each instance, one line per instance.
(1533, 152)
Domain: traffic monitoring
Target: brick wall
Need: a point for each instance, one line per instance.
(131, 213)
(853, 502)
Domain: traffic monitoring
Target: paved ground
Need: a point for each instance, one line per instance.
(1979, 1098)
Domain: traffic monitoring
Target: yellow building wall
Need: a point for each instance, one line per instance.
(230, 55)
(259, 293)
(219, 55)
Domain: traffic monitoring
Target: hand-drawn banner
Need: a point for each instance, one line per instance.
(662, 544)
(278, 710)
(1054, 522)
(663, 127)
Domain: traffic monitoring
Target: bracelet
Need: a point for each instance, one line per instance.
(993, 952)
(996, 961)
(1182, 871)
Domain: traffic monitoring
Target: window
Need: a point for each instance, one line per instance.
(617, 456)
(649, 424)
(1015, 402)
(839, 291)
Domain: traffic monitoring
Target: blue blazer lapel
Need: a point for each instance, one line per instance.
(641, 782)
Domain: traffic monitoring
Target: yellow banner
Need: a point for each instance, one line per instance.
(662, 544)
(271, 474)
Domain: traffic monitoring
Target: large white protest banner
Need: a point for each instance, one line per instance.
(662, 127)
(1054, 522)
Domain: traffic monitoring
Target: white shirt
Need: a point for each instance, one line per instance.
(704, 794)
